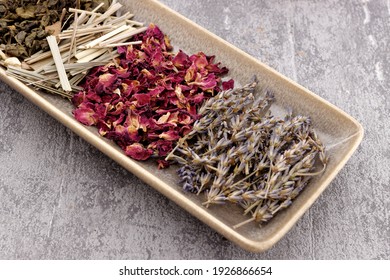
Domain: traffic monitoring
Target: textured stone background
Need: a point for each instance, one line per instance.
(60, 198)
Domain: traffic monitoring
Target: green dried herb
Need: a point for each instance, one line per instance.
(24, 24)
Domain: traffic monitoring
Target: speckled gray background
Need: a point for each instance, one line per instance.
(60, 198)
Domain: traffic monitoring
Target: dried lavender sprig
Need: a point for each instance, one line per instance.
(187, 175)
(258, 161)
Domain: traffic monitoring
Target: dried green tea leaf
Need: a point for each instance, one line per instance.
(27, 12)
(41, 34)
(14, 50)
(3, 9)
(20, 37)
(52, 3)
(45, 21)
(30, 39)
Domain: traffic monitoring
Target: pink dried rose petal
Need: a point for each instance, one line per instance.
(164, 118)
(185, 119)
(198, 99)
(162, 146)
(149, 97)
(190, 73)
(205, 83)
(142, 99)
(199, 60)
(228, 84)
(132, 122)
(181, 60)
(171, 135)
(107, 79)
(137, 151)
(85, 116)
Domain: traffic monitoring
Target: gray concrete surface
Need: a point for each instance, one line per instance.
(60, 198)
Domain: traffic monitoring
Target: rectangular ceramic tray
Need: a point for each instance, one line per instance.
(339, 132)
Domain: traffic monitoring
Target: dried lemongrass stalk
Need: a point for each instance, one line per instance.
(121, 44)
(77, 78)
(35, 54)
(135, 23)
(105, 37)
(121, 19)
(63, 47)
(72, 50)
(111, 10)
(86, 31)
(59, 64)
(82, 54)
(75, 66)
(27, 74)
(83, 16)
(92, 56)
(124, 36)
(36, 80)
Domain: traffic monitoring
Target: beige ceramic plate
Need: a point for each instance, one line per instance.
(340, 132)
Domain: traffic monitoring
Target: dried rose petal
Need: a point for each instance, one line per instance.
(205, 83)
(107, 79)
(137, 151)
(86, 116)
(164, 118)
(199, 60)
(228, 84)
(149, 98)
(171, 135)
(162, 146)
(181, 60)
(142, 99)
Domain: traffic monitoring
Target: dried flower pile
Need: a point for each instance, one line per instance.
(238, 152)
(149, 99)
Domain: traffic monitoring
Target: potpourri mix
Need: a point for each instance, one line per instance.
(124, 78)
